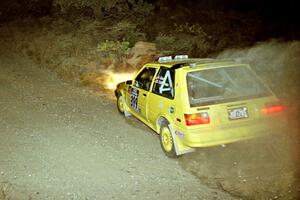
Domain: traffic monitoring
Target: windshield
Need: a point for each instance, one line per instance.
(223, 85)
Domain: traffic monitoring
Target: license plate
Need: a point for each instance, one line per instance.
(238, 113)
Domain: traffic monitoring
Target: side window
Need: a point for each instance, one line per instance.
(144, 79)
(164, 83)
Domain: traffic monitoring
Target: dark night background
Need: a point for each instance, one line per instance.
(94, 45)
(278, 18)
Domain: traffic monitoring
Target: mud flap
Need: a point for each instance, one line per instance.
(177, 150)
(126, 112)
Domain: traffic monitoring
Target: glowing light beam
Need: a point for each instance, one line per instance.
(114, 78)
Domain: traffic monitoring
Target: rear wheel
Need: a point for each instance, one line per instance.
(167, 141)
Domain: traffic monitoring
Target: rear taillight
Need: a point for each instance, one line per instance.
(197, 119)
(272, 108)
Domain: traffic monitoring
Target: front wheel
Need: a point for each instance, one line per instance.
(167, 141)
(120, 104)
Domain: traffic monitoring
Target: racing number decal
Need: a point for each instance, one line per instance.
(134, 99)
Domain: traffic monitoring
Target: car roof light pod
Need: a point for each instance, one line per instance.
(181, 57)
(165, 58)
(193, 65)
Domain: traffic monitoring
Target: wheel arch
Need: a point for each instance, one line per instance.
(159, 121)
(121, 92)
(162, 119)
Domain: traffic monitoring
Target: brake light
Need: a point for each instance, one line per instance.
(197, 119)
(272, 108)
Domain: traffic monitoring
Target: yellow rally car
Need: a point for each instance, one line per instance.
(199, 102)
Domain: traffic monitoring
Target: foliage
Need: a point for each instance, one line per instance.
(126, 31)
(140, 11)
(109, 48)
(165, 42)
(194, 29)
(190, 40)
(133, 37)
(135, 10)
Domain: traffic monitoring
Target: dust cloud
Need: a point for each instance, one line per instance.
(276, 62)
(267, 167)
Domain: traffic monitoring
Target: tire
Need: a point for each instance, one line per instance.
(120, 104)
(167, 141)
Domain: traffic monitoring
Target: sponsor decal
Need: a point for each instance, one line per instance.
(180, 134)
(171, 109)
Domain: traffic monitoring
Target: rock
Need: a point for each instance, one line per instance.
(141, 53)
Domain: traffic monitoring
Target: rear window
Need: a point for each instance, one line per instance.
(223, 85)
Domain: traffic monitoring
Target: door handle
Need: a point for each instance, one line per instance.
(144, 95)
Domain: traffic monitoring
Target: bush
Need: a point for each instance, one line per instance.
(194, 29)
(184, 43)
(165, 42)
(113, 48)
(135, 10)
(126, 31)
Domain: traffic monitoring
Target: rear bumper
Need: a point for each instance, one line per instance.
(210, 136)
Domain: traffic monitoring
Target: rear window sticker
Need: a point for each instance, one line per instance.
(166, 84)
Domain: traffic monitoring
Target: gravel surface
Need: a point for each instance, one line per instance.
(62, 142)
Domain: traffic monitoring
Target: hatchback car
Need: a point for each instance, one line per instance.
(194, 103)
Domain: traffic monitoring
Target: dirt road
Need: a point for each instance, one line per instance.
(62, 142)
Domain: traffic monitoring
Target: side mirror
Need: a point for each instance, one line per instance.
(129, 82)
